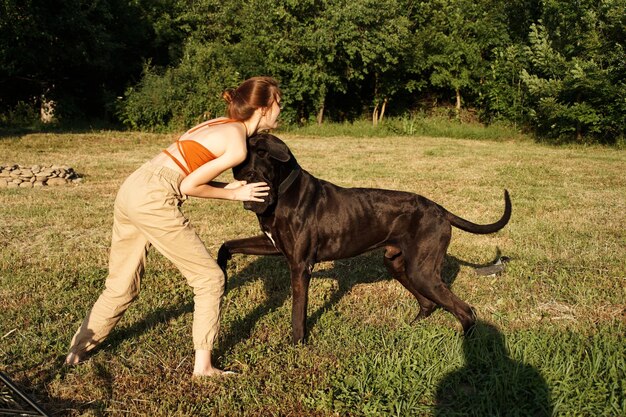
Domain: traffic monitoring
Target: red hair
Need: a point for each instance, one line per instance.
(254, 93)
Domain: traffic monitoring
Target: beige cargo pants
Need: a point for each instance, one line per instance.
(147, 213)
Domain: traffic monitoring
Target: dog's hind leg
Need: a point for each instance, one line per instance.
(440, 294)
(425, 276)
(394, 261)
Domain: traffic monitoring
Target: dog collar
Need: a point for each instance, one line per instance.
(289, 180)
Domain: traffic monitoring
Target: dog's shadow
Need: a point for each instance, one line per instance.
(274, 273)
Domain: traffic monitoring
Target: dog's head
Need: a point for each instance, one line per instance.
(268, 160)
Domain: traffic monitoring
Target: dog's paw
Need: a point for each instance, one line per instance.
(468, 328)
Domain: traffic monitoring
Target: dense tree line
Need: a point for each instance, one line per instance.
(557, 67)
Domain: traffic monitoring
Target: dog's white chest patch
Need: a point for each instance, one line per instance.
(269, 235)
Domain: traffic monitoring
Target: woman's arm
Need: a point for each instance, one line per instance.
(200, 182)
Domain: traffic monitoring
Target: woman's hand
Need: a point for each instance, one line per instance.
(242, 191)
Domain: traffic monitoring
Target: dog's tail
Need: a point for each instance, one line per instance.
(482, 229)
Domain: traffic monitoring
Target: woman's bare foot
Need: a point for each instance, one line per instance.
(213, 373)
(73, 359)
(204, 368)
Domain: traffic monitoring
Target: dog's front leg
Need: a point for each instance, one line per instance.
(300, 278)
(256, 245)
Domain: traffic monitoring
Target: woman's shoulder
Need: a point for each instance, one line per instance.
(216, 128)
(231, 132)
(219, 121)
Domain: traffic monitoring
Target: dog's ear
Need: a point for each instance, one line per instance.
(279, 151)
(253, 140)
(276, 148)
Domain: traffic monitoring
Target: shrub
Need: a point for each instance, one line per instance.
(180, 96)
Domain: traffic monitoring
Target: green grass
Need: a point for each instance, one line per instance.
(411, 125)
(550, 340)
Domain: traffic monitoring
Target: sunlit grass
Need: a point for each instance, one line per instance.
(552, 325)
(417, 124)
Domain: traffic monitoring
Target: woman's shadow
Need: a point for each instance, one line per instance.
(491, 383)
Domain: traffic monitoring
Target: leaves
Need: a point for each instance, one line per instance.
(575, 90)
(555, 66)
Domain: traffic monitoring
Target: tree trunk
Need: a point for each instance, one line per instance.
(579, 128)
(382, 110)
(375, 116)
(46, 109)
(320, 114)
(458, 102)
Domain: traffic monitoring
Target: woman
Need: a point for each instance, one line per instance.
(147, 213)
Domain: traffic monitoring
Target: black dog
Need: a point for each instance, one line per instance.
(309, 220)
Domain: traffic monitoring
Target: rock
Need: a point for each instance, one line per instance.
(56, 181)
(37, 175)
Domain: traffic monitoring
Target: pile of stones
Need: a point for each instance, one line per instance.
(14, 176)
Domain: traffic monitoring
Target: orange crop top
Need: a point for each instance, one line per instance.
(194, 153)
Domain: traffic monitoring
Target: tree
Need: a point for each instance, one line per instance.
(576, 77)
(552, 65)
(456, 39)
(369, 41)
(77, 53)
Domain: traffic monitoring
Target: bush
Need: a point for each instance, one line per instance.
(21, 115)
(181, 96)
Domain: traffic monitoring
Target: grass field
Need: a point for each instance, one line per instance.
(551, 333)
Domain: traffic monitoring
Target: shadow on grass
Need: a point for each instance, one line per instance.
(83, 126)
(36, 385)
(491, 383)
(274, 273)
(364, 269)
